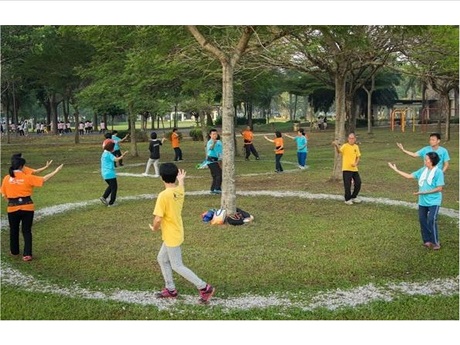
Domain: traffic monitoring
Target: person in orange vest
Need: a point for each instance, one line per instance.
(175, 142)
(248, 137)
(279, 150)
(17, 188)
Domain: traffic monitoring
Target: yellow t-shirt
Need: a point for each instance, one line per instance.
(349, 155)
(169, 206)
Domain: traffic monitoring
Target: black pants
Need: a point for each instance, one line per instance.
(278, 166)
(177, 154)
(250, 149)
(15, 219)
(348, 176)
(216, 173)
(111, 190)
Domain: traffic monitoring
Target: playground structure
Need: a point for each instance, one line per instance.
(405, 116)
(401, 116)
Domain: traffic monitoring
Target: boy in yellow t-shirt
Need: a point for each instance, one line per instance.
(168, 218)
(350, 160)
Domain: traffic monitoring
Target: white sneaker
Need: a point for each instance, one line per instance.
(349, 202)
(156, 175)
(356, 201)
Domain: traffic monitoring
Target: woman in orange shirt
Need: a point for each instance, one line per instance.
(279, 150)
(175, 139)
(17, 188)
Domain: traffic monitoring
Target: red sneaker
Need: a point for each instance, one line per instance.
(27, 258)
(206, 293)
(165, 293)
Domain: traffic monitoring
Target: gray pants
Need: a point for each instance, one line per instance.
(170, 258)
(156, 165)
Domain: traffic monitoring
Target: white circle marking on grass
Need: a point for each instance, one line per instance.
(330, 300)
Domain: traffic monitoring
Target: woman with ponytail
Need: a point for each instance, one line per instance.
(17, 188)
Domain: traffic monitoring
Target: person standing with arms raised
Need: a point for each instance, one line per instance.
(435, 140)
(17, 188)
(350, 159)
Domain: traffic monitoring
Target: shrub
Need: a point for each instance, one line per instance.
(196, 134)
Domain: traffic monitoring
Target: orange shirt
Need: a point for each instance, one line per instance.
(279, 143)
(20, 186)
(248, 136)
(175, 140)
(27, 170)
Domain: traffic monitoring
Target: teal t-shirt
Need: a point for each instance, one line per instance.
(116, 140)
(441, 151)
(216, 152)
(107, 165)
(301, 142)
(433, 199)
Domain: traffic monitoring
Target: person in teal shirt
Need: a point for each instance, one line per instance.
(301, 141)
(431, 181)
(214, 151)
(116, 149)
(108, 173)
(435, 140)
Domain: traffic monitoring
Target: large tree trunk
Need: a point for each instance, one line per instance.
(340, 119)
(77, 121)
(369, 105)
(445, 109)
(54, 113)
(132, 125)
(228, 199)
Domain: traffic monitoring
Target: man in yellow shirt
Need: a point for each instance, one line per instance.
(168, 218)
(350, 160)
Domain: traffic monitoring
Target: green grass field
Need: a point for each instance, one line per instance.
(296, 246)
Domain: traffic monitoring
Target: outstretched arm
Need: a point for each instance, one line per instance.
(48, 163)
(402, 173)
(412, 154)
(269, 139)
(121, 157)
(287, 135)
(47, 177)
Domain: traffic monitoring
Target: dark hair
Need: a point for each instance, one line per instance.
(108, 135)
(212, 130)
(114, 132)
(109, 146)
(16, 163)
(15, 156)
(437, 135)
(174, 129)
(153, 135)
(278, 134)
(301, 131)
(433, 157)
(168, 172)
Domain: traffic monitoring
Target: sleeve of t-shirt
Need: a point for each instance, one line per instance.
(358, 152)
(36, 181)
(446, 156)
(439, 178)
(341, 148)
(418, 173)
(159, 209)
(421, 152)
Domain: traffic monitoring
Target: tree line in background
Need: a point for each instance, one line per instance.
(149, 70)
